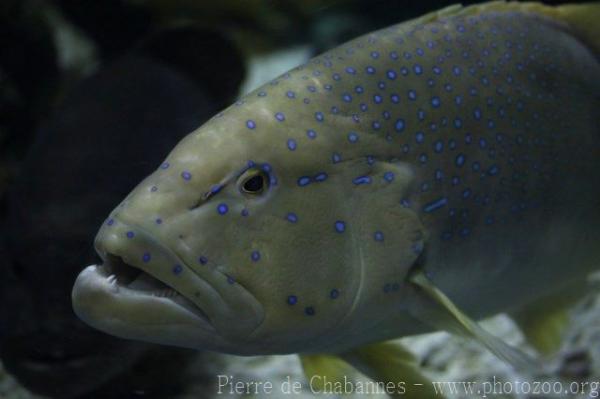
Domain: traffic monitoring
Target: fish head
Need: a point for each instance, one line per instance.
(248, 242)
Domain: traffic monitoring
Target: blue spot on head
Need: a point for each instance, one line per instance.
(310, 311)
(319, 116)
(186, 175)
(340, 226)
(334, 294)
(158, 221)
(292, 300)
(164, 165)
(303, 181)
(290, 94)
(374, 54)
(146, 257)
(370, 70)
(460, 160)
(280, 116)
(244, 212)
(347, 97)
(352, 137)
(202, 260)
(435, 102)
(399, 125)
(222, 209)
(378, 236)
(291, 144)
(250, 124)
(311, 134)
(438, 146)
(388, 176)
(255, 256)
(154, 189)
(130, 234)
(405, 203)
(177, 269)
(350, 70)
(291, 217)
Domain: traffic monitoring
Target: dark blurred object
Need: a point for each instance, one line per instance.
(111, 130)
(28, 77)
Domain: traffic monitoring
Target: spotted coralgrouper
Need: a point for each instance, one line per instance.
(462, 146)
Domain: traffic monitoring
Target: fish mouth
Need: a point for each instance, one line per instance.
(125, 279)
(143, 290)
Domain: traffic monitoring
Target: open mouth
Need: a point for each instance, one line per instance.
(128, 280)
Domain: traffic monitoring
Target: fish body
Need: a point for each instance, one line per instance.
(464, 144)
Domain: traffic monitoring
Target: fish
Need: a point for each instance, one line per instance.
(417, 178)
(110, 122)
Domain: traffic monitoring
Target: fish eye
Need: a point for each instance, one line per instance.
(253, 182)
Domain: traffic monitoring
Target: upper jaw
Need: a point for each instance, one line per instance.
(159, 298)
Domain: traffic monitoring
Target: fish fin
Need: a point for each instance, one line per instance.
(583, 20)
(329, 368)
(544, 320)
(434, 308)
(390, 362)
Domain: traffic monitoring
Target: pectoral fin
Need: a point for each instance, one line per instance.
(433, 307)
(543, 321)
(321, 368)
(390, 363)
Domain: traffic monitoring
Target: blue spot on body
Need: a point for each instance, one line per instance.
(362, 180)
(319, 116)
(435, 102)
(244, 212)
(203, 260)
(130, 234)
(320, 177)
(291, 144)
(280, 116)
(255, 256)
(340, 226)
(347, 98)
(435, 205)
(334, 294)
(493, 170)
(352, 137)
(292, 300)
(391, 74)
(460, 160)
(335, 158)
(158, 221)
(388, 176)
(399, 125)
(419, 137)
(146, 257)
(309, 311)
(291, 217)
(164, 165)
(311, 134)
(418, 69)
(378, 236)
(395, 98)
(304, 181)
(177, 269)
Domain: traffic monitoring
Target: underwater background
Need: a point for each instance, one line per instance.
(93, 95)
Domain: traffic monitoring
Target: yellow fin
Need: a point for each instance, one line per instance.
(433, 307)
(321, 368)
(391, 363)
(544, 320)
